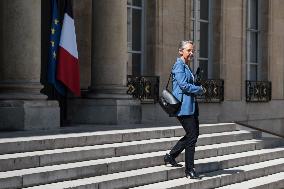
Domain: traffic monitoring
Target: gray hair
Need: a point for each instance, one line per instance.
(183, 43)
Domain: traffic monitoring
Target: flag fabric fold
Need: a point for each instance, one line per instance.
(68, 70)
(54, 38)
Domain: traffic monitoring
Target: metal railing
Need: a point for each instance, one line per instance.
(258, 91)
(214, 91)
(145, 88)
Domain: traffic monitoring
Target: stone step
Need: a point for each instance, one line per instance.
(222, 179)
(16, 144)
(52, 157)
(163, 173)
(59, 173)
(274, 181)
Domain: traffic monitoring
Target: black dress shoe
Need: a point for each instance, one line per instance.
(192, 174)
(169, 159)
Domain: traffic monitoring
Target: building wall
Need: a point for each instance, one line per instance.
(172, 26)
(168, 22)
(276, 48)
(229, 59)
(232, 44)
(83, 23)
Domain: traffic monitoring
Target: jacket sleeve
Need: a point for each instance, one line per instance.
(182, 80)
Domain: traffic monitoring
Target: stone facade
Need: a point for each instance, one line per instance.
(229, 60)
(101, 28)
(22, 106)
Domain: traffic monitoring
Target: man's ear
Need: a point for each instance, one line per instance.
(180, 52)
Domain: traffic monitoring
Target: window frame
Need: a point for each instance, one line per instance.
(195, 35)
(142, 37)
(250, 32)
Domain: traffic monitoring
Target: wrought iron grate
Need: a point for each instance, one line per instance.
(258, 91)
(214, 91)
(145, 88)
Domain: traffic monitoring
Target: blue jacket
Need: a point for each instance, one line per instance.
(184, 88)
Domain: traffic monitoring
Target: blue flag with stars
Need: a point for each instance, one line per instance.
(54, 39)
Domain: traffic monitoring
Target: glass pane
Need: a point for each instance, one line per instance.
(203, 40)
(192, 30)
(129, 64)
(204, 9)
(253, 47)
(192, 36)
(192, 8)
(129, 2)
(253, 73)
(203, 64)
(129, 28)
(136, 30)
(134, 64)
(253, 14)
(137, 3)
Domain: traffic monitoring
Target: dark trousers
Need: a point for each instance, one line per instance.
(191, 126)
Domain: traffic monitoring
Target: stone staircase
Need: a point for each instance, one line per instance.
(226, 157)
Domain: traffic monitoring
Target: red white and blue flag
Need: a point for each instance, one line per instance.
(68, 70)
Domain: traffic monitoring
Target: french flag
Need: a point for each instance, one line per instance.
(68, 70)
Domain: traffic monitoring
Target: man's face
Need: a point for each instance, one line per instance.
(187, 52)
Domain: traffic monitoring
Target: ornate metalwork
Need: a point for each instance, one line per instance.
(258, 91)
(145, 88)
(214, 91)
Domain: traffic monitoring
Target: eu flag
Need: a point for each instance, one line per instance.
(55, 31)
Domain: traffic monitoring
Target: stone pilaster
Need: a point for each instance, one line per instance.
(22, 106)
(276, 48)
(83, 23)
(107, 102)
(232, 43)
(109, 44)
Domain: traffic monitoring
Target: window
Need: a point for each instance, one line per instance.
(253, 40)
(135, 20)
(200, 33)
